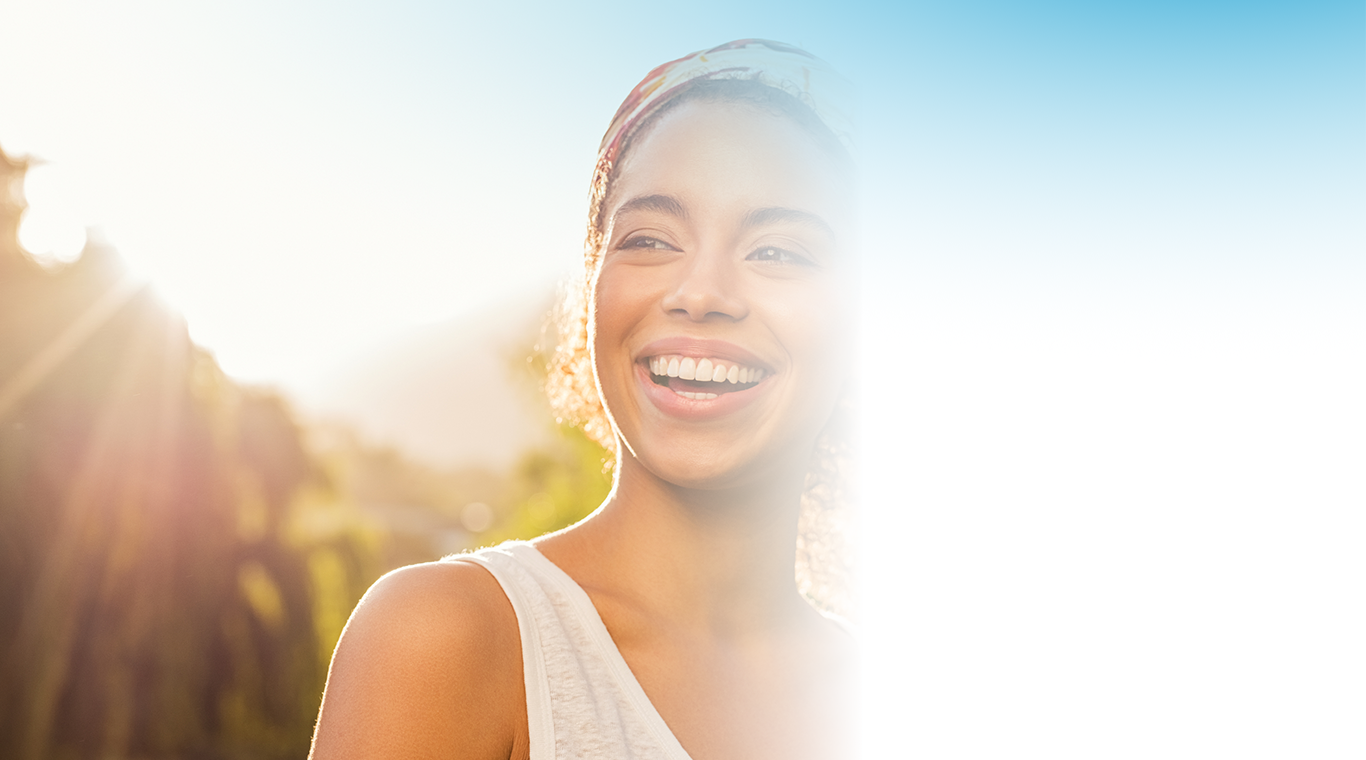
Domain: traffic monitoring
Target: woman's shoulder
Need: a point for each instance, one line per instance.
(443, 598)
(429, 664)
(435, 611)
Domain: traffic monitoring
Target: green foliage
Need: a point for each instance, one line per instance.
(421, 511)
(553, 488)
(557, 485)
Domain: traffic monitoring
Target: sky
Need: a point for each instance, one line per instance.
(1113, 266)
(297, 177)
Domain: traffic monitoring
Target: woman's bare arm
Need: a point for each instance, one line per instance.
(429, 666)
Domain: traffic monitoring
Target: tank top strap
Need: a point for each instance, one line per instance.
(528, 606)
(582, 698)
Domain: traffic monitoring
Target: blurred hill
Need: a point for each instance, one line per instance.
(457, 393)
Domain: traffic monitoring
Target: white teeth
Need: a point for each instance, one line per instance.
(704, 370)
(687, 394)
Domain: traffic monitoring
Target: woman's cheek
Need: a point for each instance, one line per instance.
(812, 319)
(619, 307)
(607, 305)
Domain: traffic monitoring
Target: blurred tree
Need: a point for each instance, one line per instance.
(426, 512)
(156, 598)
(552, 487)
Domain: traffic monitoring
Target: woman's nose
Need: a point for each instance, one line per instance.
(706, 289)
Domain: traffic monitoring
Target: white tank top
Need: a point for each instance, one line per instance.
(582, 701)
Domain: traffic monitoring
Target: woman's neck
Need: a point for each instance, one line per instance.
(717, 561)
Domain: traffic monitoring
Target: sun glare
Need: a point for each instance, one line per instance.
(51, 229)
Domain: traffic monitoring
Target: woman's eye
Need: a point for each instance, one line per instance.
(647, 242)
(779, 255)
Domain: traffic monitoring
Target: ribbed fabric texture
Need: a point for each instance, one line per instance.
(582, 701)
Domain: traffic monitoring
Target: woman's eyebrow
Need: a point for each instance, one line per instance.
(776, 214)
(665, 204)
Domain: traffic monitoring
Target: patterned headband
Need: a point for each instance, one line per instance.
(784, 67)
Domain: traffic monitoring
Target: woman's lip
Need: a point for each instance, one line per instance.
(674, 405)
(703, 348)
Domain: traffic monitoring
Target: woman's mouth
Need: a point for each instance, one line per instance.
(701, 378)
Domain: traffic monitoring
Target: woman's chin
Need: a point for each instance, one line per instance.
(707, 465)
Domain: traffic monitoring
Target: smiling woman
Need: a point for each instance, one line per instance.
(710, 350)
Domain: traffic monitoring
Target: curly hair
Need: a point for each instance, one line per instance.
(824, 560)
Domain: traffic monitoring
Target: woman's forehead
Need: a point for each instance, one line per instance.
(735, 157)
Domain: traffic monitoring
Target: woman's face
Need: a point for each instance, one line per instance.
(720, 308)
